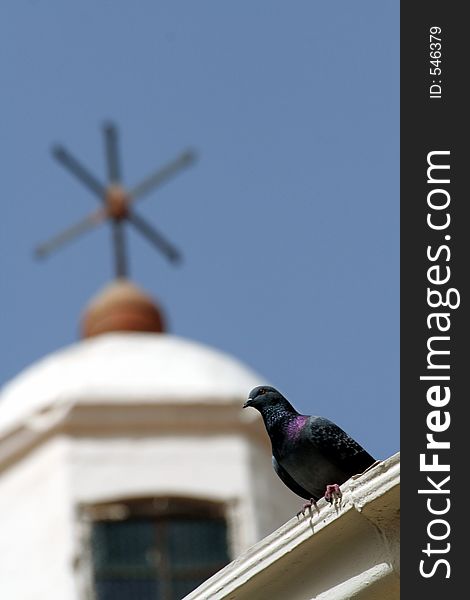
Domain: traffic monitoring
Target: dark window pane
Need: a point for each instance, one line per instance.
(123, 544)
(197, 543)
(147, 558)
(127, 590)
(181, 588)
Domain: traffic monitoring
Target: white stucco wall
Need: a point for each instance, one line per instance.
(106, 453)
(41, 493)
(125, 416)
(36, 542)
(214, 467)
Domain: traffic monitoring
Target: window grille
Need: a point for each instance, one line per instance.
(157, 549)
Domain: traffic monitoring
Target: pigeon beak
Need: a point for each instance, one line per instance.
(247, 403)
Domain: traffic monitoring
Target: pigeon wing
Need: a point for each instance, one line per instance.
(337, 446)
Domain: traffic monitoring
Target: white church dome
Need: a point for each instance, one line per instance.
(125, 367)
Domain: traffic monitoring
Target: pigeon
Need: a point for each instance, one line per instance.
(311, 455)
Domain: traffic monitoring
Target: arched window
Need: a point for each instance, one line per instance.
(155, 549)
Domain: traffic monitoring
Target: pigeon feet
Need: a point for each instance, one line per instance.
(333, 494)
(307, 506)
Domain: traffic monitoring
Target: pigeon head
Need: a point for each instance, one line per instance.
(266, 399)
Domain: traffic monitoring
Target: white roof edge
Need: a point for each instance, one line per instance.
(357, 494)
(55, 417)
(125, 366)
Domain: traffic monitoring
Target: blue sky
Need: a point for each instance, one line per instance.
(289, 221)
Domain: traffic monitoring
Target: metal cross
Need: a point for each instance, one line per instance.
(118, 203)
